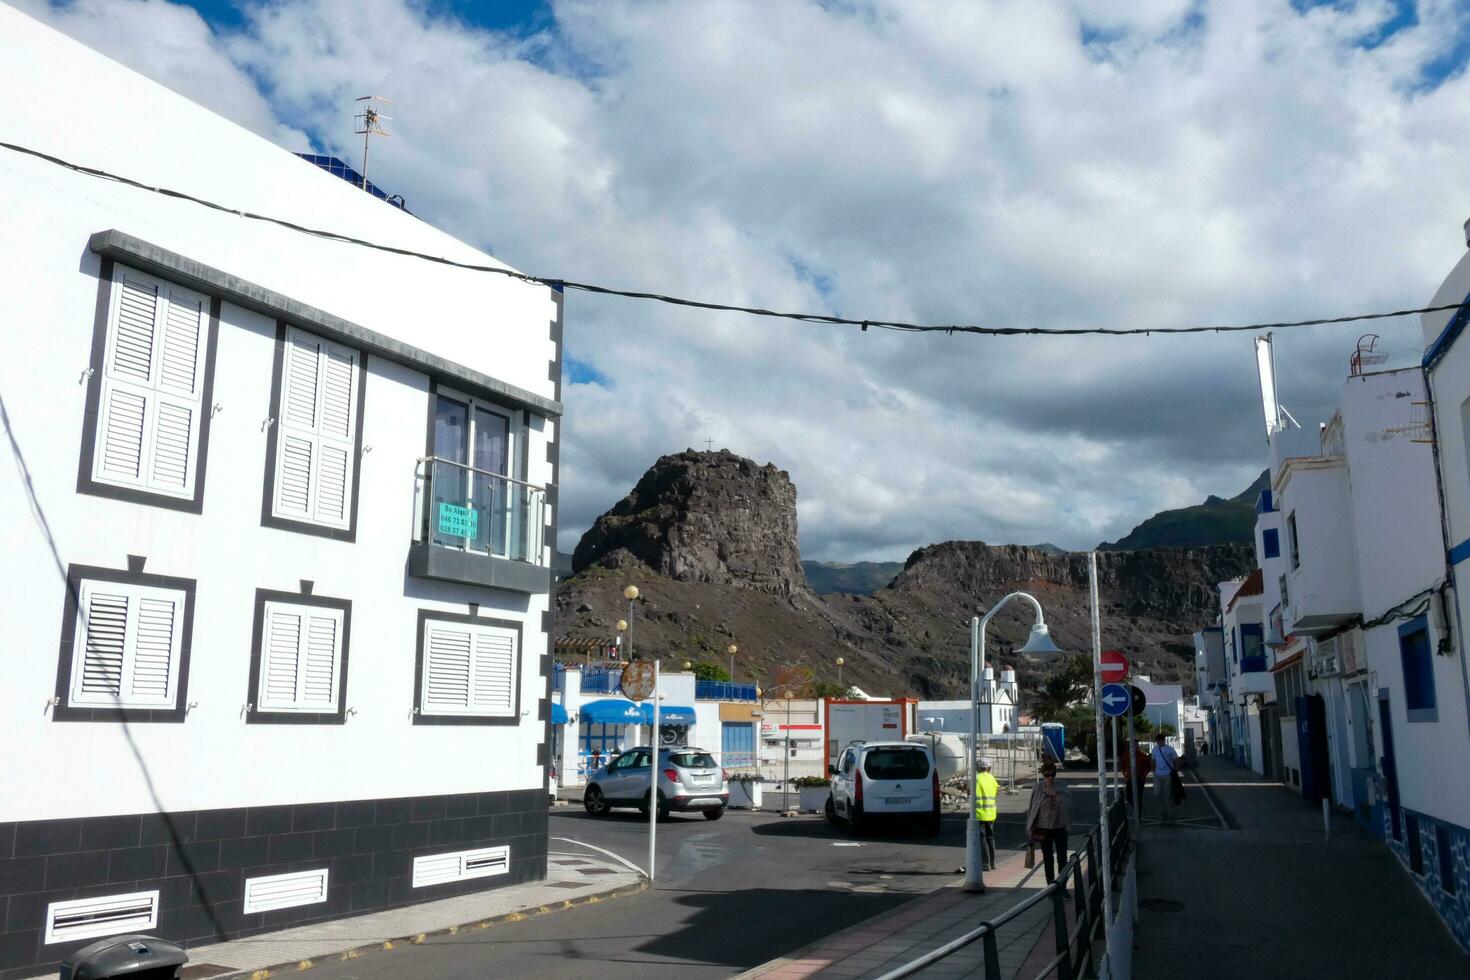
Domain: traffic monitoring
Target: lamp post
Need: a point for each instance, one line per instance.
(1039, 643)
(631, 594)
(622, 628)
(732, 649)
(840, 662)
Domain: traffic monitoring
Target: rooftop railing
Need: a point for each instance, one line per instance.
(723, 691)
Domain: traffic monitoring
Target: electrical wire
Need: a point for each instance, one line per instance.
(820, 318)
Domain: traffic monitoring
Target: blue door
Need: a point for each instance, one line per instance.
(737, 744)
(1390, 768)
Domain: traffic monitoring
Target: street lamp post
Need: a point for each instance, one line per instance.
(622, 628)
(840, 662)
(631, 594)
(732, 649)
(1039, 643)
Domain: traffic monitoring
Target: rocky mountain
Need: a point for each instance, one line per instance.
(1215, 521)
(710, 517)
(710, 540)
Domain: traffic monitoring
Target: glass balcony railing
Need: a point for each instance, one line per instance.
(479, 511)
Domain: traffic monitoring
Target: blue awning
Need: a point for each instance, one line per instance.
(558, 714)
(668, 714)
(611, 711)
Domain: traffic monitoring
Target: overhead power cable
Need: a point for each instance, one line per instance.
(823, 318)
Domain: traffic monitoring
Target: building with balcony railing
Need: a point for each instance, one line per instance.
(302, 494)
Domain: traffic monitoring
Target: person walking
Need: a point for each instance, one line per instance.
(987, 791)
(1047, 819)
(1166, 763)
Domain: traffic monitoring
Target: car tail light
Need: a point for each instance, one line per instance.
(936, 785)
(671, 775)
(725, 775)
(857, 787)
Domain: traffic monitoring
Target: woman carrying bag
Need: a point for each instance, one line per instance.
(1047, 819)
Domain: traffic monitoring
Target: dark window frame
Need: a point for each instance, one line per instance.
(1417, 707)
(419, 717)
(1293, 540)
(63, 710)
(1445, 858)
(1271, 542)
(92, 412)
(268, 493)
(255, 716)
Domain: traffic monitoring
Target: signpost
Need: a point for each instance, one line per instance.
(1116, 700)
(1114, 667)
(458, 522)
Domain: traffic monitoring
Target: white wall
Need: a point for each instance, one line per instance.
(47, 298)
(1326, 583)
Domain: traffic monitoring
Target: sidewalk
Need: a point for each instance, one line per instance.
(573, 877)
(872, 948)
(1247, 887)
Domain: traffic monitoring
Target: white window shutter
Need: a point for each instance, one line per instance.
(128, 646)
(446, 669)
(152, 380)
(316, 445)
(301, 658)
(469, 670)
(495, 664)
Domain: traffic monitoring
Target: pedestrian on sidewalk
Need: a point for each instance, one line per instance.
(1047, 819)
(987, 791)
(1135, 763)
(1166, 764)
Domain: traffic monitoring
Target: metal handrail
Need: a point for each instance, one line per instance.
(1088, 918)
(472, 469)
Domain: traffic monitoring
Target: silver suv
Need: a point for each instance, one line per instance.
(689, 779)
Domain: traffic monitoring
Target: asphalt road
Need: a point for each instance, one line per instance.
(731, 894)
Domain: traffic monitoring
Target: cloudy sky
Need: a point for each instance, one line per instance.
(1107, 162)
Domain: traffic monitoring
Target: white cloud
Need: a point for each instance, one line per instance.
(906, 159)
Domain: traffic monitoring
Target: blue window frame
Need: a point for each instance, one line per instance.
(1418, 663)
(1271, 543)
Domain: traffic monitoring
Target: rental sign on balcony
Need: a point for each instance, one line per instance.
(458, 522)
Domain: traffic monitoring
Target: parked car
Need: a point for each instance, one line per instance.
(689, 780)
(878, 781)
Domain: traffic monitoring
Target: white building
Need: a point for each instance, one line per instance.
(998, 707)
(277, 572)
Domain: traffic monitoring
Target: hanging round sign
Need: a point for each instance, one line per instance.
(638, 680)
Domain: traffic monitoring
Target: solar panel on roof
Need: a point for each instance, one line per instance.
(336, 167)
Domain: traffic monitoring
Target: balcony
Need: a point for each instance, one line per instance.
(476, 527)
(1321, 572)
(723, 691)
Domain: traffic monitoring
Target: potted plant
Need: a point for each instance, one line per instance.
(813, 791)
(745, 789)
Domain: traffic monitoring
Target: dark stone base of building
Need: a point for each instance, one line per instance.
(198, 862)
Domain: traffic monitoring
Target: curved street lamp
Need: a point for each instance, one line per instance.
(1040, 643)
(732, 649)
(840, 662)
(631, 594)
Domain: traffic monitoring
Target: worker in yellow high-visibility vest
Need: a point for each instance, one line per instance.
(987, 790)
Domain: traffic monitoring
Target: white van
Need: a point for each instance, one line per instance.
(874, 781)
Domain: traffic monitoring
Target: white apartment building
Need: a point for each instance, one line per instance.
(279, 518)
(1358, 600)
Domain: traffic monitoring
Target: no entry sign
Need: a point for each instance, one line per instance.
(1114, 667)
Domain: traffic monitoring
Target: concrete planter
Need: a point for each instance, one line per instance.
(745, 796)
(814, 798)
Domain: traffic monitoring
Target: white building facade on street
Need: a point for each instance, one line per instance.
(278, 568)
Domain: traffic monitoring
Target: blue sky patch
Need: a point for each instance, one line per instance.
(582, 373)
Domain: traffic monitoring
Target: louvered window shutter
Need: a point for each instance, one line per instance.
(127, 646)
(469, 670)
(315, 448)
(152, 380)
(300, 659)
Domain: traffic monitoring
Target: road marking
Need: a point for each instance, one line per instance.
(602, 850)
(846, 843)
(1205, 791)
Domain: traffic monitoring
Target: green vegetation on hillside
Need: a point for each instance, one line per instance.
(1215, 521)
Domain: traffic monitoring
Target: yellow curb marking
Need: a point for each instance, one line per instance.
(260, 975)
(418, 939)
(387, 945)
(303, 965)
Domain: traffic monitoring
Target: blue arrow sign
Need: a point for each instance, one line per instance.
(1116, 699)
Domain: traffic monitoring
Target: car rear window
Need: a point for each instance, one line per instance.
(896, 764)
(693, 760)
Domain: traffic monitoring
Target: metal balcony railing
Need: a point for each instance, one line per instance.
(478, 511)
(723, 691)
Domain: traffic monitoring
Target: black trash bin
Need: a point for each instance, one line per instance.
(133, 957)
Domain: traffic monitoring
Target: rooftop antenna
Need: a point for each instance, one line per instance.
(369, 124)
(1275, 413)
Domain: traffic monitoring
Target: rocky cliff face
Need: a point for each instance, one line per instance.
(710, 517)
(710, 540)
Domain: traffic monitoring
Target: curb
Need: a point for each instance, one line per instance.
(299, 966)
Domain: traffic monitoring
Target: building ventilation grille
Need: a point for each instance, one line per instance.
(285, 891)
(438, 869)
(107, 915)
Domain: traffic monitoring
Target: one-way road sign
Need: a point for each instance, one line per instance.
(1116, 700)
